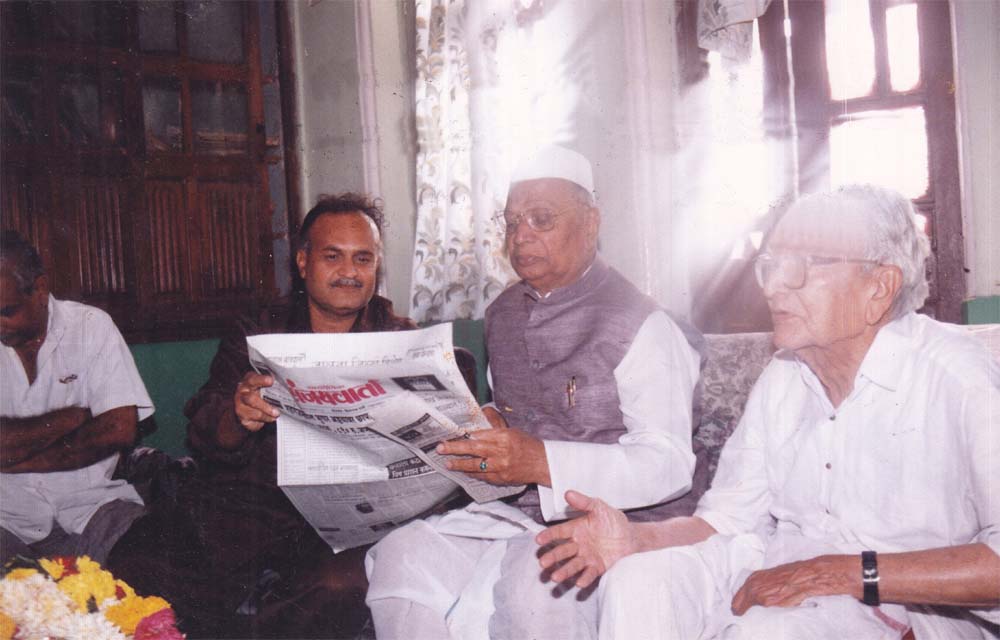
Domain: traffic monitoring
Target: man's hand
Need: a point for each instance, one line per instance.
(789, 584)
(511, 456)
(589, 545)
(252, 411)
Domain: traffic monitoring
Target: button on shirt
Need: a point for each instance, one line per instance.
(910, 460)
(84, 362)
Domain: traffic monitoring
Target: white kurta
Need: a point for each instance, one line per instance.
(84, 362)
(909, 461)
(652, 462)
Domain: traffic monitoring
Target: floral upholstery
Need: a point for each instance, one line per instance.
(732, 364)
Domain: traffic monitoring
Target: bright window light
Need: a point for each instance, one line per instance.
(850, 49)
(904, 46)
(883, 147)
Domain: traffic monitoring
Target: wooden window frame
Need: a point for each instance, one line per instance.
(941, 204)
(193, 285)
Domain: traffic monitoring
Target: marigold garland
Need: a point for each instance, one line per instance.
(7, 627)
(70, 598)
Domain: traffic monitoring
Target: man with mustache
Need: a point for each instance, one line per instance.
(592, 386)
(857, 498)
(70, 402)
(248, 543)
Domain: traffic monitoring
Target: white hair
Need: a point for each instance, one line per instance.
(892, 235)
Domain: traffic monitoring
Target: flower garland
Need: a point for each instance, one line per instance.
(75, 599)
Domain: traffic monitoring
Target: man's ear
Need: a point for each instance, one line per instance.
(300, 261)
(41, 287)
(887, 280)
(593, 226)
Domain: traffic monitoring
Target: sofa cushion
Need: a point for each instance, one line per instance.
(731, 365)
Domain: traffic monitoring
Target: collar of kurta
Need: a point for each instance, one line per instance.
(885, 360)
(591, 278)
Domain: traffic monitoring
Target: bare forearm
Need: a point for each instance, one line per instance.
(963, 576)
(966, 575)
(93, 441)
(676, 532)
(21, 438)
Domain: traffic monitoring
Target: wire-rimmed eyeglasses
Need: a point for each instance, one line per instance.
(538, 219)
(794, 269)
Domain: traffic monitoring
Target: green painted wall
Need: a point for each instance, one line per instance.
(469, 334)
(173, 372)
(985, 310)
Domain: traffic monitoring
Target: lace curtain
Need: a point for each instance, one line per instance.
(458, 263)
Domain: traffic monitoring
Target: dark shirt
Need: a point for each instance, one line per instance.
(231, 524)
(215, 399)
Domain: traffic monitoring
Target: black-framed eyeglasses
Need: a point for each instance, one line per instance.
(538, 219)
(794, 269)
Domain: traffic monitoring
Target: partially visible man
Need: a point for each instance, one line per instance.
(239, 543)
(71, 399)
(595, 382)
(857, 498)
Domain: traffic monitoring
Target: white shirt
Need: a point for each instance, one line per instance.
(653, 460)
(909, 461)
(84, 362)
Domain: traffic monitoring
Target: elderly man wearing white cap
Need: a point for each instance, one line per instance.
(592, 387)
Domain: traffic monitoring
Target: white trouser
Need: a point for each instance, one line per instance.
(440, 578)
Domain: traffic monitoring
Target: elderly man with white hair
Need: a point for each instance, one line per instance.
(592, 387)
(859, 497)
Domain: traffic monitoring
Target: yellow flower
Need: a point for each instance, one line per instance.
(129, 612)
(7, 626)
(53, 567)
(85, 565)
(18, 574)
(91, 582)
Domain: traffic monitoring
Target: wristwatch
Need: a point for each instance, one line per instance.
(869, 577)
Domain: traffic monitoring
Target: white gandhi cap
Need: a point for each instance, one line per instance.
(554, 161)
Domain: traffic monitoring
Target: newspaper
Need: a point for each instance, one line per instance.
(361, 415)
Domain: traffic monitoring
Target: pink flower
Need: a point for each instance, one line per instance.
(158, 626)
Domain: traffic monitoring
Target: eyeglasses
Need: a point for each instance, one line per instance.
(539, 219)
(794, 268)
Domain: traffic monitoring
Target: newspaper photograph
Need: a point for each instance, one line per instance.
(361, 416)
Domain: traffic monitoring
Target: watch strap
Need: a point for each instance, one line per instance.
(869, 578)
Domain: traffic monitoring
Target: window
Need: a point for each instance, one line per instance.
(135, 157)
(875, 103)
(860, 91)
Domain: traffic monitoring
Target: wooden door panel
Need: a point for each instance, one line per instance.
(94, 208)
(168, 236)
(230, 221)
(22, 207)
(137, 198)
